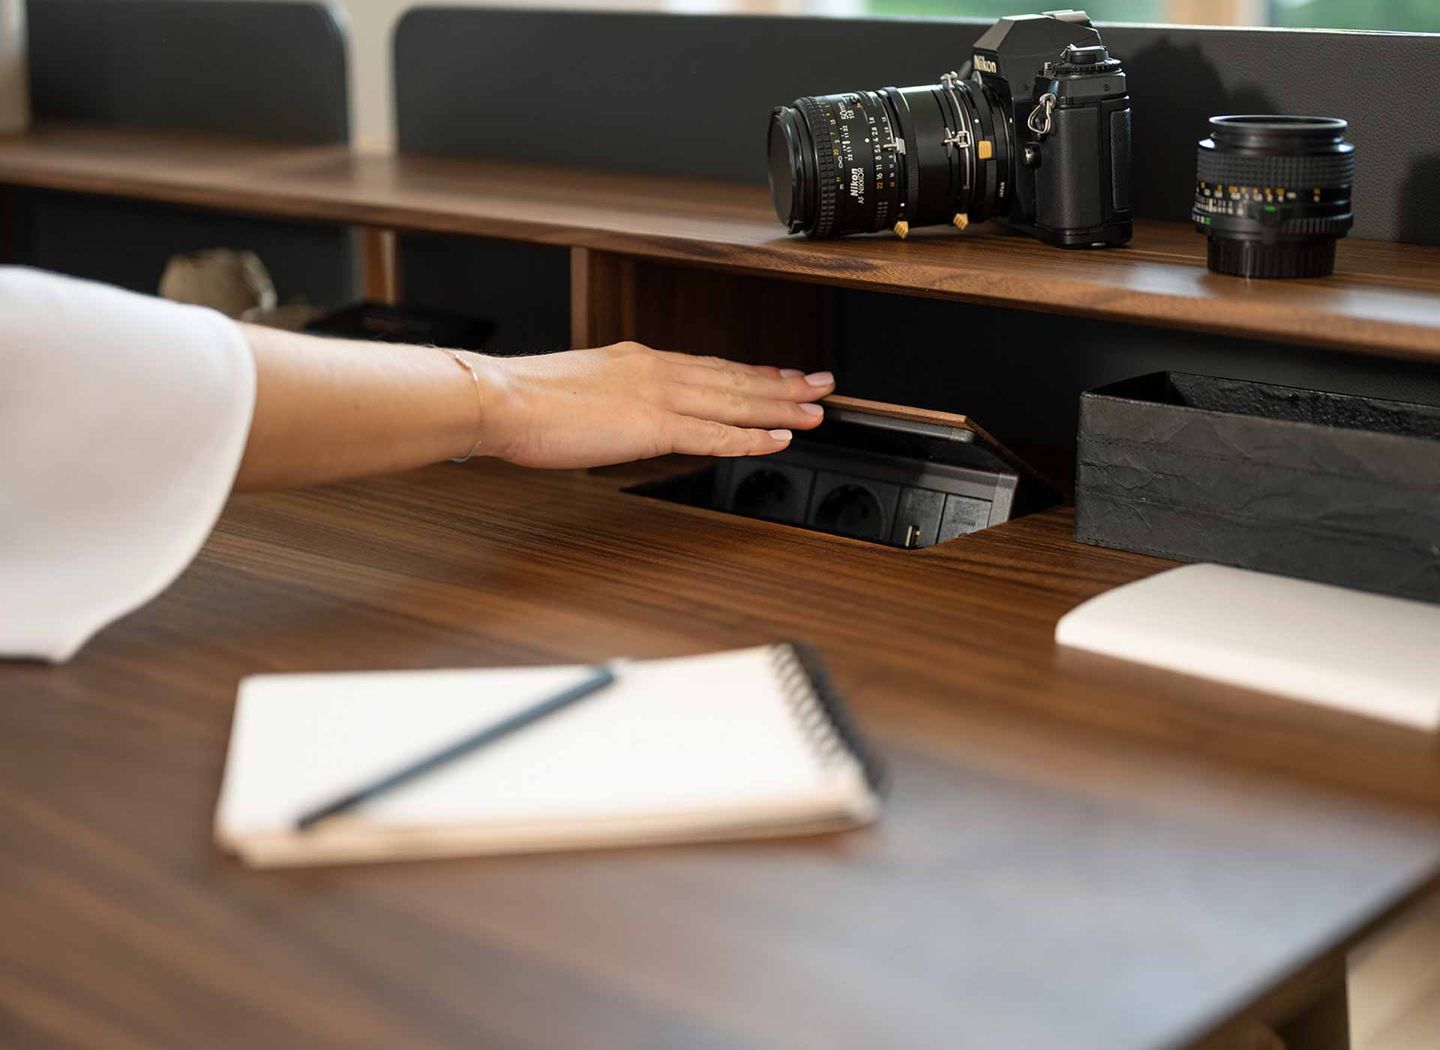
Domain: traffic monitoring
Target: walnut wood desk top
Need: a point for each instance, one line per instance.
(1074, 854)
(1384, 298)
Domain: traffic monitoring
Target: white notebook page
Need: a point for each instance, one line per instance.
(671, 736)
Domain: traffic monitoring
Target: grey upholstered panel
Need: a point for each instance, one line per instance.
(1182, 77)
(692, 93)
(231, 67)
(680, 94)
(274, 70)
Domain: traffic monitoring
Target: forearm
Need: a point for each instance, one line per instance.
(329, 409)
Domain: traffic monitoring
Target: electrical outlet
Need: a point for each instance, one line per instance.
(766, 489)
(853, 506)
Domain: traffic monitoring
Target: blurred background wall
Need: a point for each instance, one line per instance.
(371, 22)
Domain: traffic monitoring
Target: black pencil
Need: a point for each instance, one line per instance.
(598, 680)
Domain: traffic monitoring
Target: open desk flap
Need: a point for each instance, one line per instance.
(943, 437)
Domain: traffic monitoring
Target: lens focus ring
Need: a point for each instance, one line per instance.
(826, 179)
(1292, 172)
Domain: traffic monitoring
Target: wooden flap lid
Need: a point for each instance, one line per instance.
(926, 421)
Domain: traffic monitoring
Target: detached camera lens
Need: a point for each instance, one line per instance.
(888, 159)
(1272, 194)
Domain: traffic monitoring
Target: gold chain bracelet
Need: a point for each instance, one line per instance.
(479, 403)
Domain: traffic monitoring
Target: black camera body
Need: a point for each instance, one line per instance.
(1066, 100)
(1034, 131)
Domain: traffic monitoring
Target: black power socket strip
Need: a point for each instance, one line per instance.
(871, 477)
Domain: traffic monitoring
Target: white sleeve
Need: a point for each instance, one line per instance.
(123, 419)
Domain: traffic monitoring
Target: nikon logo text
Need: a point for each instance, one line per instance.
(985, 65)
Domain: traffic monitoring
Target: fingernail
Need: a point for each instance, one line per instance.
(812, 410)
(781, 435)
(820, 378)
(790, 373)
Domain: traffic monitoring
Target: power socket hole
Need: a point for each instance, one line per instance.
(763, 494)
(851, 511)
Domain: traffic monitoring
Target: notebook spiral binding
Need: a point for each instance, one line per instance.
(819, 711)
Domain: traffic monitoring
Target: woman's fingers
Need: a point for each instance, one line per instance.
(677, 357)
(741, 410)
(748, 381)
(728, 370)
(789, 384)
(706, 437)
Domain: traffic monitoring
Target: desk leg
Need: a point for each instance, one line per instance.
(1307, 1012)
(379, 265)
(1323, 1025)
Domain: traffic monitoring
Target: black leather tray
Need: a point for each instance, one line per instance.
(1324, 486)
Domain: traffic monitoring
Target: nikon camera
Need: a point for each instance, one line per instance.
(1033, 130)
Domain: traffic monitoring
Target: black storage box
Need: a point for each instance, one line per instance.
(1323, 486)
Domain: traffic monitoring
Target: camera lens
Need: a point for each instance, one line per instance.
(1272, 194)
(869, 160)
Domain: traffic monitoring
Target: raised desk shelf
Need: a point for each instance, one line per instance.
(1384, 298)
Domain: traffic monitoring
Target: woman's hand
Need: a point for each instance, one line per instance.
(590, 408)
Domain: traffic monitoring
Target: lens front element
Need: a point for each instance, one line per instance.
(835, 165)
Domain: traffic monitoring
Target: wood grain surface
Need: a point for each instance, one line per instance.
(1075, 853)
(1384, 298)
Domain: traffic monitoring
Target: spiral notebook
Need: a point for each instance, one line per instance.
(741, 744)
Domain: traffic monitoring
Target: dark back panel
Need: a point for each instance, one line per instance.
(1021, 373)
(691, 94)
(127, 243)
(260, 69)
(523, 288)
(276, 70)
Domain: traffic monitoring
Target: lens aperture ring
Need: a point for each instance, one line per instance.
(907, 141)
